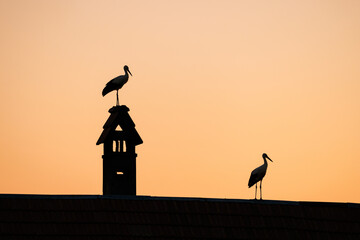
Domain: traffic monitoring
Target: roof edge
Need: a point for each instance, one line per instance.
(145, 197)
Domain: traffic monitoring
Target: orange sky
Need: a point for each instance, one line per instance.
(215, 84)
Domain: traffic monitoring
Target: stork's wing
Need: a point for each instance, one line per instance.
(114, 84)
(254, 178)
(257, 174)
(108, 88)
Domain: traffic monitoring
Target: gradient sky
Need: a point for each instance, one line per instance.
(215, 84)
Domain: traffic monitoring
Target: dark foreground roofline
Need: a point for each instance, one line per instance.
(40, 217)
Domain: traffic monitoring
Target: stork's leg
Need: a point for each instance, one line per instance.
(117, 97)
(255, 190)
(260, 190)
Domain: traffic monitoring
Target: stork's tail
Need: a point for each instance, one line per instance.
(106, 90)
(252, 181)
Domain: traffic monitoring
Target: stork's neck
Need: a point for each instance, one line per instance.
(265, 162)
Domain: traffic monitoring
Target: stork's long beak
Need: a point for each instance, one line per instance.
(268, 158)
(129, 72)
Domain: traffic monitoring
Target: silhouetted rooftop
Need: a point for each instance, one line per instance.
(142, 217)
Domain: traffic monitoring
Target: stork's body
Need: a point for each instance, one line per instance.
(117, 83)
(258, 174)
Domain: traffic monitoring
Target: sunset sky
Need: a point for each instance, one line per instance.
(215, 84)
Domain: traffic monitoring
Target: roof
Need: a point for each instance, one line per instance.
(141, 217)
(119, 116)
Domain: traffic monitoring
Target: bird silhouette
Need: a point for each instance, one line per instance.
(116, 84)
(258, 174)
